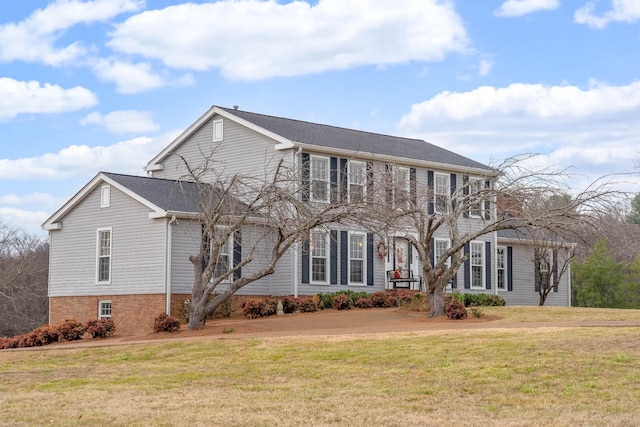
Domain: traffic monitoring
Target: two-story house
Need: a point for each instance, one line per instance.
(120, 247)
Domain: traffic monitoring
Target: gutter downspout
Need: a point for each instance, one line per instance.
(296, 249)
(495, 262)
(167, 260)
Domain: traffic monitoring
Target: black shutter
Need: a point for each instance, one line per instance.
(467, 268)
(343, 179)
(452, 186)
(413, 192)
(305, 261)
(369, 181)
(537, 274)
(509, 268)
(333, 257)
(306, 179)
(237, 253)
(487, 203)
(207, 248)
(369, 259)
(465, 192)
(487, 263)
(333, 179)
(431, 191)
(344, 257)
(555, 270)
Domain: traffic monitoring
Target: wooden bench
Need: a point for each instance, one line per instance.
(401, 278)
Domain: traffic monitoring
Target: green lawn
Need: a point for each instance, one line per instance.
(527, 376)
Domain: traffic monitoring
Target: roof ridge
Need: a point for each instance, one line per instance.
(145, 177)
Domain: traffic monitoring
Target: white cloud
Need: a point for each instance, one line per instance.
(125, 121)
(85, 161)
(511, 8)
(594, 129)
(33, 39)
(251, 39)
(18, 97)
(129, 78)
(484, 67)
(623, 11)
(26, 220)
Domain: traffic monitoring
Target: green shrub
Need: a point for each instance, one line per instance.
(103, 328)
(496, 301)
(482, 300)
(456, 310)
(476, 311)
(324, 301)
(165, 323)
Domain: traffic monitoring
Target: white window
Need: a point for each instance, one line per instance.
(545, 258)
(357, 179)
(401, 186)
(356, 258)
(218, 131)
(223, 265)
(477, 265)
(319, 179)
(103, 263)
(441, 193)
(105, 196)
(104, 309)
(319, 255)
(440, 247)
(476, 202)
(501, 267)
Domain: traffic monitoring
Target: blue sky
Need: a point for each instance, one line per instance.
(104, 85)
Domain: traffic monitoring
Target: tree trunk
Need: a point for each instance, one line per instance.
(197, 315)
(436, 301)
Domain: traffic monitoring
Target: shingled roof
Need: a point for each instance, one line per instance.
(355, 140)
(167, 194)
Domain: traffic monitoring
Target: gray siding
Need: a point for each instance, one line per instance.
(138, 249)
(242, 151)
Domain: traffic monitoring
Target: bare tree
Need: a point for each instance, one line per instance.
(270, 215)
(536, 200)
(24, 261)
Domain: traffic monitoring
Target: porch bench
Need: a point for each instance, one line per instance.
(401, 278)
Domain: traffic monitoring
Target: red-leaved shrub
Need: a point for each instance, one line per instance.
(307, 305)
(364, 302)
(70, 330)
(290, 304)
(456, 310)
(165, 323)
(259, 307)
(342, 302)
(101, 328)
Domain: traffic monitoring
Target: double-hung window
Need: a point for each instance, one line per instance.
(501, 267)
(440, 247)
(319, 255)
(319, 179)
(441, 193)
(356, 181)
(476, 202)
(401, 185)
(103, 255)
(477, 265)
(223, 264)
(356, 258)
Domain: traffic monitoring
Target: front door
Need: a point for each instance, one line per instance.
(401, 254)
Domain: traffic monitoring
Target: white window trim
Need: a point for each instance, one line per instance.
(350, 174)
(481, 265)
(231, 248)
(326, 258)
(481, 203)
(217, 123)
(447, 193)
(364, 258)
(312, 180)
(98, 231)
(100, 304)
(504, 268)
(105, 196)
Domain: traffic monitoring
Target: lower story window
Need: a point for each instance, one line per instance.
(319, 254)
(104, 309)
(501, 268)
(477, 265)
(356, 258)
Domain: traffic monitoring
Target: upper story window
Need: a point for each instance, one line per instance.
(319, 176)
(319, 255)
(477, 265)
(476, 201)
(442, 193)
(105, 196)
(401, 187)
(218, 131)
(103, 261)
(357, 180)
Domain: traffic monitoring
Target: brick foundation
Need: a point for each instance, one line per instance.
(131, 314)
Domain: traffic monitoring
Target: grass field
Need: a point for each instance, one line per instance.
(545, 376)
